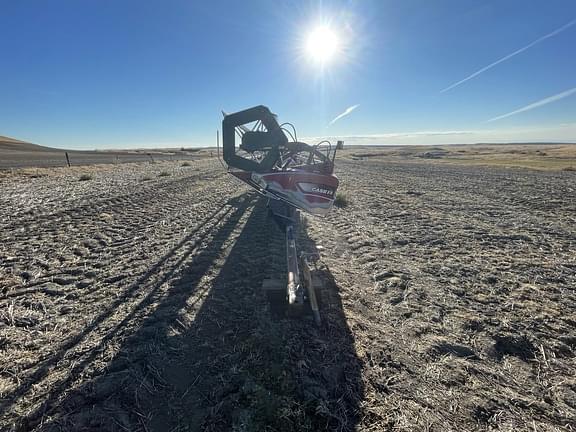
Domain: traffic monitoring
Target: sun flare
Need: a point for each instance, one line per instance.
(322, 45)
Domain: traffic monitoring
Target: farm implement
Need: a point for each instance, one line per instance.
(292, 175)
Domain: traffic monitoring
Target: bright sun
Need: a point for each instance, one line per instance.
(322, 44)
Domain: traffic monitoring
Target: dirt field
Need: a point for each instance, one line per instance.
(546, 157)
(20, 154)
(132, 301)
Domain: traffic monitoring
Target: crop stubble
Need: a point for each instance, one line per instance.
(448, 303)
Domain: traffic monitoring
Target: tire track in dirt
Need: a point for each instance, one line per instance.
(116, 224)
(199, 255)
(454, 274)
(26, 197)
(128, 280)
(447, 307)
(152, 290)
(210, 356)
(116, 202)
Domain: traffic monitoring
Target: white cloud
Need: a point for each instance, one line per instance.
(345, 113)
(540, 103)
(509, 56)
(557, 133)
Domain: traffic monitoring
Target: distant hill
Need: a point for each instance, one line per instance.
(15, 153)
(11, 144)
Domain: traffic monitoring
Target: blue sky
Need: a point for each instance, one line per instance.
(125, 73)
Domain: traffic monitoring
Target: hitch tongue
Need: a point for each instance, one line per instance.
(295, 290)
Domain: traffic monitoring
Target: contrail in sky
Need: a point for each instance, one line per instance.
(345, 113)
(509, 56)
(540, 103)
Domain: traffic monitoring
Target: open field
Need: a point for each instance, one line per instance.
(131, 301)
(533, 156)
(20, 154)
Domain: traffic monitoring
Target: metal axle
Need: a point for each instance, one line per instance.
(294, 289)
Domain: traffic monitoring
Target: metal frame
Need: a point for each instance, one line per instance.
(265, 149)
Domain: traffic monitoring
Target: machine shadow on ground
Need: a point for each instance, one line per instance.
(210, 355)
(161, 268)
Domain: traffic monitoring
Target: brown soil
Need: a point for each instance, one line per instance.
(132, 302)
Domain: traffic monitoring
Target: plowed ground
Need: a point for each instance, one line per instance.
(133, 302)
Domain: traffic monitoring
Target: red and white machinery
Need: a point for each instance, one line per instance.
(292, 174)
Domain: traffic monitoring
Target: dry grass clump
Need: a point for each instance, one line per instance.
(186, 164)
(341, 200)
(570, 168)
(164, 174)
(85, 177)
